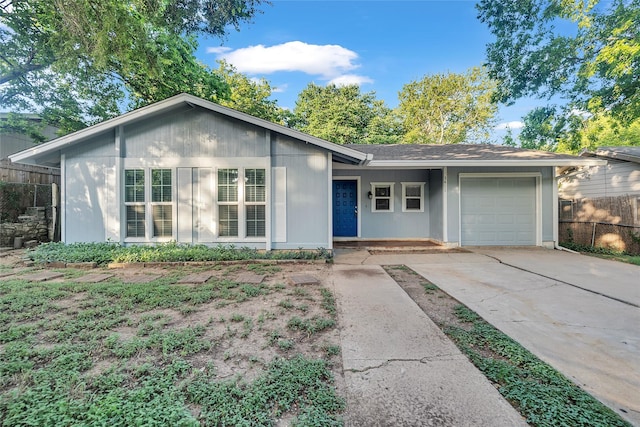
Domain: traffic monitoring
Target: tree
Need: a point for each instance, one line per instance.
(448, 108)
(250, 96)
(76, 61)
(344, 115)
(601, 130)
(586, 52)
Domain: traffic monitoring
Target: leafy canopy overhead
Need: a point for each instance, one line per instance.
(344, 115)
(449, 108)
(583, 51)
(75, 61)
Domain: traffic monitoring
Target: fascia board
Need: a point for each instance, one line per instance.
(484, 163)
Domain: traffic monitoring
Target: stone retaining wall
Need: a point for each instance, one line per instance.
(32, 226)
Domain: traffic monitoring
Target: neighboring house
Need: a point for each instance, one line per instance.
(618, 181)
(192, 171)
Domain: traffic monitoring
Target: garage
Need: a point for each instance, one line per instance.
(498, 210)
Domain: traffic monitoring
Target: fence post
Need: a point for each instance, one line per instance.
(593, 236)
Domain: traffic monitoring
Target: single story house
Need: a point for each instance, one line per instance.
(188, 170)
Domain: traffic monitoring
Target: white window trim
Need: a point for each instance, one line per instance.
(150, 203)
(148, 210)
(391, 186)
(262, 203)
(404, 196)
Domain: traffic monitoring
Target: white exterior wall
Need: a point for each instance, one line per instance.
(194, 144)
(617, 178)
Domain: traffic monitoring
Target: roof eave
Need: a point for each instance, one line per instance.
(485, 163)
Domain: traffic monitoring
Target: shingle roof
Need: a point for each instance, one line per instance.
(455, 152)
(630, 154)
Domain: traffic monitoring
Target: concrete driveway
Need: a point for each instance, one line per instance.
(578, 313)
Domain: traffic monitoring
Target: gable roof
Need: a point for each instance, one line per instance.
(429, 155)
(50, 151)
(630, 154)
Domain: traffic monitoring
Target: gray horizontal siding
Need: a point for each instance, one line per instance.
(617, 178)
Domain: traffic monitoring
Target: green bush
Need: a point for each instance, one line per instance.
(104, 253)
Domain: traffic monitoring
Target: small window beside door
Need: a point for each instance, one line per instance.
(382, 196)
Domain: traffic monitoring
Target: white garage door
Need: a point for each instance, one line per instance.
(498, 211)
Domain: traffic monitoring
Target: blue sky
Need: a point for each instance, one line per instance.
(380, 45)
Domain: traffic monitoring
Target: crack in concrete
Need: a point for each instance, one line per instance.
(424, 360)
(563, 282)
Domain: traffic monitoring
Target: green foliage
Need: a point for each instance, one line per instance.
(286, 383)
(75, 62)
(544, 396)
(343, 115)
(586, 52)
(310, 326)
(103, 253)
(449, 108)
(603, 252)
(250, 96)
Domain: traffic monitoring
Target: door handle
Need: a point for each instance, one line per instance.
(356, 210)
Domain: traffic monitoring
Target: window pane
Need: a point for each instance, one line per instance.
(161, 185)
(135, 221)
(134, 185)
(256, 221)
(255, 185)
(412, 204)
(228, 185)
(412, 190)
(383, 191)
(382, 204)
(162, 220)
(228, 220)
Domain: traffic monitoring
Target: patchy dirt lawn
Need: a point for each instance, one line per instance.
(114, 338)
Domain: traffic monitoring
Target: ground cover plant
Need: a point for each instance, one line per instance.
(540, 393)
(602, 252)
(109, 252)
(221, 353)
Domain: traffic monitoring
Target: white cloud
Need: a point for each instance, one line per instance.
(329, 62)
(516, 124)
(350, 79)
(280, 88)
(218, 50)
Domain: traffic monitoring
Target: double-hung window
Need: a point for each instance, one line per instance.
(413, 197)
(382, 196)
(134, 200)
(162, 202)
(228, 202)
(255, 202)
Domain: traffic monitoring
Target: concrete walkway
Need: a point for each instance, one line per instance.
(577, 313)
(400, 369)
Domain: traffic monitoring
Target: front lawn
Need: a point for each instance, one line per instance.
(221, 353)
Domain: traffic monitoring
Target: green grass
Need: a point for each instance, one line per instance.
(544, 396)
(109, 354)
(104, 253)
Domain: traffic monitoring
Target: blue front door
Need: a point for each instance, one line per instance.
(345, 208)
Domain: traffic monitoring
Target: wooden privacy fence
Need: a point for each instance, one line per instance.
(610, 222)
(598, 234)
(14, 173)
